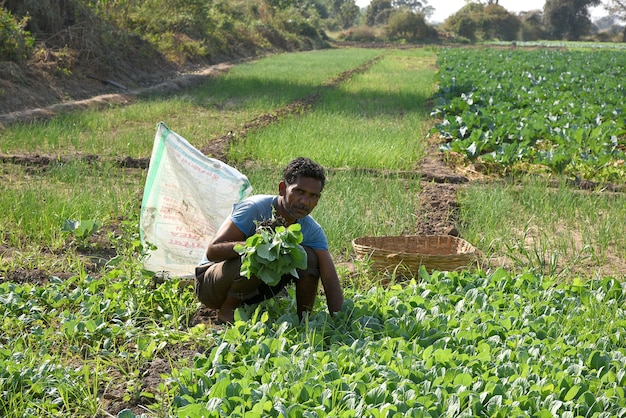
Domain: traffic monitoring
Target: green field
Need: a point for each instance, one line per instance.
(535, 328)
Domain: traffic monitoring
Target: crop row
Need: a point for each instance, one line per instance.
(454, 344)
(451, 344)
(561, 109)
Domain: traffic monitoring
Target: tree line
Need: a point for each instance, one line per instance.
(188, 30)
(487, 20)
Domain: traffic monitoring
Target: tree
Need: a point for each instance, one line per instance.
(321, 8)
(15, 42)
(282, 4)
(476, 21)
(532, 25)
(348, 13)
(337, 14)
(405, 24)
(463, 22)
(378, 12)
(44, 16)
(413, 5)
(568, 19)
(498, 23)
(617, 8)
(428, 11)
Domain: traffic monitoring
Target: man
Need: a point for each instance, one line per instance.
(219, 284)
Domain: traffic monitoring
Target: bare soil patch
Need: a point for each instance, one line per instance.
(38, 103)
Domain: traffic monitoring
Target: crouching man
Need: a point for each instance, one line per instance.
(219, 284)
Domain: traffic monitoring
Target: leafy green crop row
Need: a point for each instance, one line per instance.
(452, 344)
(64, 343)
(455, 344)
(561, 109)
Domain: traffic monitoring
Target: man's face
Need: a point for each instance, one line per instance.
(301, 197)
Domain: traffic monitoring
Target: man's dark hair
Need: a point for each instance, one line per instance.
(303, 167)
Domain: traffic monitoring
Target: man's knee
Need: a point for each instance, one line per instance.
(213, 283)
(224, 278)
(203, 288)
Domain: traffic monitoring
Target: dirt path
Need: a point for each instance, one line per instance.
(173, 85)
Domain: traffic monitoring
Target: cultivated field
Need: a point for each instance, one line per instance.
(520, 151)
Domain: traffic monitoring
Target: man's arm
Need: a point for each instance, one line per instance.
(330, 281)
(221, 247)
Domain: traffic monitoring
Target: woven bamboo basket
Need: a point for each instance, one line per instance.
(401, 253)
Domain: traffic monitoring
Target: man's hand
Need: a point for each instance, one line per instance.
(221, 248)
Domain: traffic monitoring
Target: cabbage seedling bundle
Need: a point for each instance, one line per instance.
(273, 252)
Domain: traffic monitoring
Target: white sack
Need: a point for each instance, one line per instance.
(186, 198)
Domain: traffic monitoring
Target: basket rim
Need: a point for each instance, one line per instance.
(355, 242)
(384, 258)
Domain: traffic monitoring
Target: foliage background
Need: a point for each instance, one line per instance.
(107, 37)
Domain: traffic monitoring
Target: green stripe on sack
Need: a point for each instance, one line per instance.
(155, 162)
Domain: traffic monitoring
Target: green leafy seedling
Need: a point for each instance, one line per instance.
(272, 253)
(82, 229)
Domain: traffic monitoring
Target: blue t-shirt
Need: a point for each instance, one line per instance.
(259, 208)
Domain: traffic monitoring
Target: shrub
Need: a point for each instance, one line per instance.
(405, 24)
(15, 42)
(360, 34)
(177, 46)
(477, 22)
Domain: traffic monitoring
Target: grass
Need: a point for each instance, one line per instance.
(376, 120)
(552, 230)
(34, 211)
(35, 205)
(222, 104)
(275, 81)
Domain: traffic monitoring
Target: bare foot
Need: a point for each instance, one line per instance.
(225, 317)
(227, 310)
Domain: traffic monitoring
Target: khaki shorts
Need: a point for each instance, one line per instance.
(214, 281)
